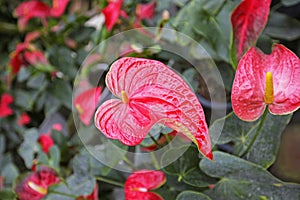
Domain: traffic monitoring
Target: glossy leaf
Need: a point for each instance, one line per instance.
(281, 26)
(241, 179)
(139, 184)
(290, 2)
(249, 85)
(153, 94)
(240, 133)
(248, 20)
(192, 195)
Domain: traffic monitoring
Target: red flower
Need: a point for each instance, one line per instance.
(6, 99)
(46, 142)
(24, 55)
(112, 12)
(37, 9)
(92, 196)
(58, 7)
(57, 127)
(86, 104)
(150, 92)
(144, 11)
(31, 9)
(248, 20)
(35, 186)
(24, 119)
(139, 184)
(266, 80)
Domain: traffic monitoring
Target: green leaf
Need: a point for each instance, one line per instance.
(6, 194)
(25, 99)
(281, 26)
(240, 133)
(29, 146)
(2, 144)
(192, 195)
(290, 2)
(212, 7)
(190, 76)
(186, 167)
(81, 33)
(54, 155)
(10, 172)
(36, 82)
(242, 179)
(62, 91)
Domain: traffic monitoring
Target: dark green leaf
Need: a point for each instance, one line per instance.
(240, 133)
(197, 178)
(10, 172)
(36, 81)
(281, 26)
(6, 194)
(25, 99)
(29, 146)
(242, 179)
(192, 195)
(2, 144)
(62, 91)
(290, 2)
(81, 33)
(54, 155)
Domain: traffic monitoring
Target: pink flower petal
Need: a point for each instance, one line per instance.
(156, 94)
(249, 84)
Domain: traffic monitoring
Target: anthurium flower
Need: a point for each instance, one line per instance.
(266, 80)
(5, 100)
(23, 119)
(86, 103)
(149, 92)
(24, 55)
(31, 9)
(144, 11)
(112, 13)
(35, 186)
(37, 9)
(58, 7)
(46, 142)
(140, 183)
(248, 20)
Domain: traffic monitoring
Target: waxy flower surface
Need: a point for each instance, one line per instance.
(140, 183)
(144, 11)
(35, 186)
(149, 92)
(86, 103)
(266, 80)
(5, 100)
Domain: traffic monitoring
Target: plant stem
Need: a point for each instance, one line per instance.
(260, 125)
(112, 182)
(154, 140)
(155, 162)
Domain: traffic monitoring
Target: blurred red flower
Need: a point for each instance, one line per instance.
(144, 11)
(23, 119)
(46, 142)
(112, 13)
(37, 9)
(35, 185)
(24, 55)
(6, 99)
(139, 184)
(86, 103)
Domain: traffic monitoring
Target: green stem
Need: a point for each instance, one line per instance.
(219, 9)
(154, 140)
(155, 162)
(112, 182)
(63, 194)
(129, 163)
(260, 125)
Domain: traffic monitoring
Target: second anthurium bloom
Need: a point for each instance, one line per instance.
(140, 183)
(266, 80)
(150, 92)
